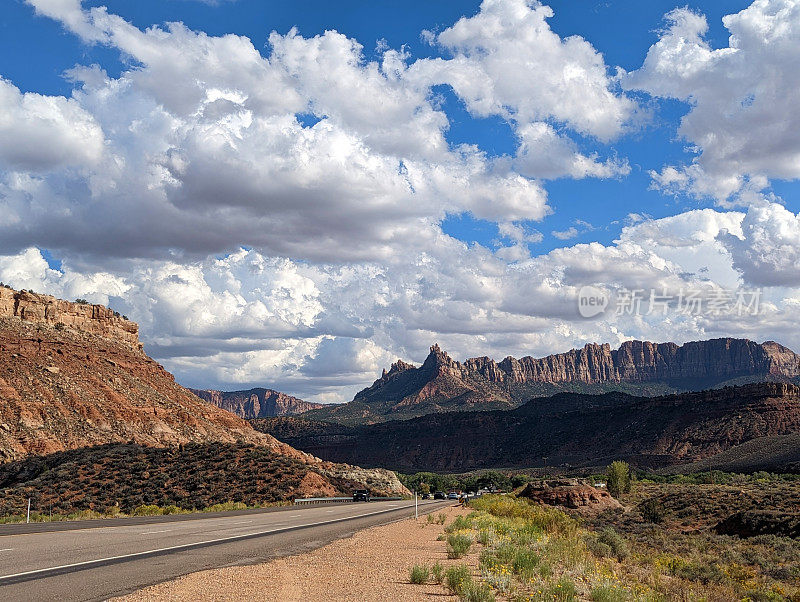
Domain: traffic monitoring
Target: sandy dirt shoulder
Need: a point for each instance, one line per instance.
(373, 564)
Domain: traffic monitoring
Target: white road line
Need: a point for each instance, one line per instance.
(329, 511)
(186, 546)
(6, 550)
(295, 516)
(159, 531)
(242, 522)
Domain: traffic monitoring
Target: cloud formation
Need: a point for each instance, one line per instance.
(743, 119)
(274, 218)
(324, 331)
(40, 133)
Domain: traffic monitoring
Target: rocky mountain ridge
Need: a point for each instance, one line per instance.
(74, 376)
(256, 403)
(639, 367)
(570, 429)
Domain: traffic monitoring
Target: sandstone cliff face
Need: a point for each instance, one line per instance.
(92, 319)
(443, 384)
(75, 375)
(635, 361)
(256, 403)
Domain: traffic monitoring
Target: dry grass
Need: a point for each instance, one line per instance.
(530, 552)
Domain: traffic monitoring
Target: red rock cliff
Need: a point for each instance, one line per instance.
(44, 309)
(634, 361)
(74, 375)
(256, 403)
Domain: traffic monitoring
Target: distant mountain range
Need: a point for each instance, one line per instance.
(441, 384)
(256, 403)
(750, 427)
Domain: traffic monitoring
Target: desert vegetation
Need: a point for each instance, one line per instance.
(665, 544)
(110, 480)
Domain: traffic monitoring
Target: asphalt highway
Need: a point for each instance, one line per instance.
(95, 563)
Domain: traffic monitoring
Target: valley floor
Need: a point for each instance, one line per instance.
(371, 565)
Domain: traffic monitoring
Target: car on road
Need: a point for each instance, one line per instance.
(361, 495)
(439, 495)
(453, 495)
(426, 496)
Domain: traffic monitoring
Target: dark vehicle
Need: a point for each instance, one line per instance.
(361, 495)
(439, 495)
(426, 496)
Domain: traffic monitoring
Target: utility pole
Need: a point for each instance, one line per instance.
(29, 511)
(416, 508)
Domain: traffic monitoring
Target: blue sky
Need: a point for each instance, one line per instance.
(281, 209)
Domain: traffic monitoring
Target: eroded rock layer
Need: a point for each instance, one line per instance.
(75, 376)
(256, 403)
(639, 367)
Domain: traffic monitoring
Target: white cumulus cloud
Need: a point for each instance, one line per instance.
(743, 119)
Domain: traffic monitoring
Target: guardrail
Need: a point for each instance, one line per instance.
(341, 500)
(321, 500)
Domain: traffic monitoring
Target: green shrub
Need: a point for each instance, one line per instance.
(457, 578)
(652, 511)
(459, 524)
(598, 548)
(505, 553)
(702, 572)
(760, 595)
(146, 510)
(618, 478)
(430, 519)
(485, 536)
(437, 572)
(539, 518)
(477, 592)
(458, 545)
(562, 590)
(525, 563)
(419, 574)
(609, 544)
(442, 517)
(173, 509)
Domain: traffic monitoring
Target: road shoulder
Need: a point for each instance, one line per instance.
(373, 564)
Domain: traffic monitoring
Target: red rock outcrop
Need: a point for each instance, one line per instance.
(256, 403)
(75, 375)
(570, 493)
(92, 319)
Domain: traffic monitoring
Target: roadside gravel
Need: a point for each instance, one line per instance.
(371, 565)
